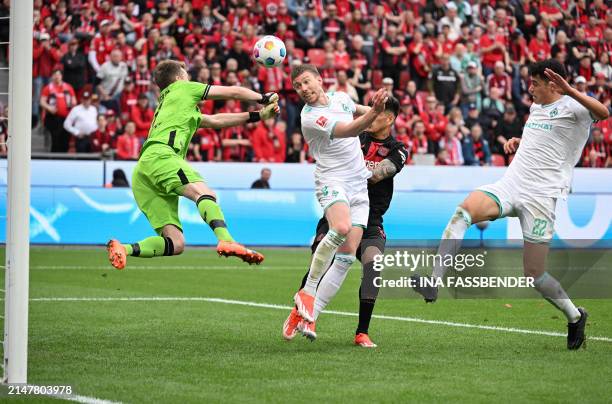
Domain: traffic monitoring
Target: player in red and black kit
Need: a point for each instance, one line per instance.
(385, 157)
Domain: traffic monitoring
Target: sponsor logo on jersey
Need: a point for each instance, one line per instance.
(537, 125)
(322, 121)
(383, 151)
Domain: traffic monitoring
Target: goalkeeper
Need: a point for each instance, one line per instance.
(162, 174)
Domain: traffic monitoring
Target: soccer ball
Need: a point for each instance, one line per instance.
(269, 51)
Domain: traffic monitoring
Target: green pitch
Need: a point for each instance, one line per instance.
(164, 349)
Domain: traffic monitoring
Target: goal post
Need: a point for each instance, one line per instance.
(18, 199)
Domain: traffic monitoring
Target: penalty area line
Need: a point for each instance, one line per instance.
(333, 312)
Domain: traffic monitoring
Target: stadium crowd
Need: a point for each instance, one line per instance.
(458, 68)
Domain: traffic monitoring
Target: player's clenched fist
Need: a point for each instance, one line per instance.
(511, 145)
(269, 111)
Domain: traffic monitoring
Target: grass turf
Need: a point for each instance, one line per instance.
(198, 351)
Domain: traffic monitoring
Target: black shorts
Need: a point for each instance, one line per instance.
(372, 236)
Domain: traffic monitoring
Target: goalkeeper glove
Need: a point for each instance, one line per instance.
(269, 111)
(268, 98)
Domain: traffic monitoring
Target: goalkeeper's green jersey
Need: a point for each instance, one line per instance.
(177, 116)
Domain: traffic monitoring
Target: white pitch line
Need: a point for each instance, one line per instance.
(72, 397)
(280, 307)
(179, 267)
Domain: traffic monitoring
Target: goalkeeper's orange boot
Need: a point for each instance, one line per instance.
(290, 328)
(308, 330)
(305, 305)
(233, 249)
(116, 254)
(364, 340)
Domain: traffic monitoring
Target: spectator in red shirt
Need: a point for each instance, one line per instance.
(45, 57)
(57, 99)
(128, 144)
(433, 118)
(452, 145)
(500, 79)
(597, 153)
(205, 145)
(492, 47)
(268, 142)
(101, 140)
(129, 98)
(539, 47)
(342, 58)
(142, 116)
(392, 54)
(333, 27)
(101, 46)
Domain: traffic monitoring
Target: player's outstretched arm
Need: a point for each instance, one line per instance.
(220, 121)
(361, 109)
(358, 125)
(241, 94)
(596, 108)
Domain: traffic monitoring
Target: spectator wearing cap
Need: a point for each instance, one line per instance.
(45, 56)
(57, 99)
(500, 79)
(508, 127)
(101, 46)
(75, 65)
(309, 27)
(446, 84)
(471, 88)
(476, 151)
(452, 20)
(114, 126)
(343, 85)
(128, 144)
(82, 122)
(393, 54)
(582, 86)
(142, 116)
(597, 153)
(473, 116)
(112, 75)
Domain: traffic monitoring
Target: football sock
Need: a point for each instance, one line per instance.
(451, 239)
(552, 291)
(331, 282)
(368, 292)
(366, 307)
(155, 246)
(213, 216)
(321, 259)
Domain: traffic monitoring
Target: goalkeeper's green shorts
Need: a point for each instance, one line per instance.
(156, 182)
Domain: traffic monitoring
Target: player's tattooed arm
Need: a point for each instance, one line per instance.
(385, 169)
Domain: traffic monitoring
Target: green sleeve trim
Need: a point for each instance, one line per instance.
(497, 201)
(333, 203)
(358, 225)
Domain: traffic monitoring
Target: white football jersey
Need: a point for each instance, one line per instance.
(552, 143)
(337, 159)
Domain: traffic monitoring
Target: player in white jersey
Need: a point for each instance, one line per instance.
(540, 173)
(331, 130)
